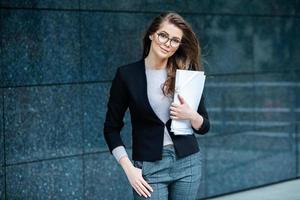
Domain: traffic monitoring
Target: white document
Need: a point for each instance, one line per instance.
(189, 84)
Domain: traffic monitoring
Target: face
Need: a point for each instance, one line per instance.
(166, 40)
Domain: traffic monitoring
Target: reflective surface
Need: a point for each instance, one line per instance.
(42, 50)
(57, 62)
(253, 136)
(42, 122)
(51, 179)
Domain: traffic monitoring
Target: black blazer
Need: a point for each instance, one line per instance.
(129, 89)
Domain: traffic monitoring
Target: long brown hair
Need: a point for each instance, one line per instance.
(188, 54)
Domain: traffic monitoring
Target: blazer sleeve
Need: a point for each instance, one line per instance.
(116, 108)
(206, 124)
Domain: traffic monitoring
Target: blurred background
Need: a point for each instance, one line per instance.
(58, 58)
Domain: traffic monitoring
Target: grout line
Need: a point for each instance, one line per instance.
(255, 72)
(151, 12)
(297, 149)
(4, 142)
(3, 165)
(2, 99)
(109, 81)
(58, 158)
(205, 168)
(58, 84)
(81, 93)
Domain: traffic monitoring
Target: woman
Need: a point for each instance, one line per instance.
(165, 166)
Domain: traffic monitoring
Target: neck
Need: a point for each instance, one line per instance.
(155, 62)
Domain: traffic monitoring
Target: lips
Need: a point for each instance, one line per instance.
(164, 50)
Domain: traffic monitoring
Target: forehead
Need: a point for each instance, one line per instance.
(171, 29)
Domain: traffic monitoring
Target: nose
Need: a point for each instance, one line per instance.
(168, 43)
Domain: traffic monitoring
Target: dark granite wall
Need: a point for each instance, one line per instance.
(57, 61)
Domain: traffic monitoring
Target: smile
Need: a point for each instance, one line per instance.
(165, 51)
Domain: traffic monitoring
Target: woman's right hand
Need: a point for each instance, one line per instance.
(134, 176)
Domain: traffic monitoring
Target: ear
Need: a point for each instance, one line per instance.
(150, 37)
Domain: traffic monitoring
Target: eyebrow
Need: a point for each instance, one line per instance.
(169, 34)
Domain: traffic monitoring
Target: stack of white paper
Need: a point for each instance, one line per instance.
(189, 84)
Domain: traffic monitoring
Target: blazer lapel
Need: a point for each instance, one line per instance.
(144, 92)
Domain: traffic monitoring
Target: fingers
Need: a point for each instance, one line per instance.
(141, 189)
(138, 190)
(173, 113)
(181, 99)
(144, 190)
(174, 105)
(174, 108)
(141, 186)
(147, 185)
(138, 183)
(173, 117)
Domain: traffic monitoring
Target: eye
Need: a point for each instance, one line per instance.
(163, 35)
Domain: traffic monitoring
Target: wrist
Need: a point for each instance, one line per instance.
(196, 120)
(125, 163)
(194, 116)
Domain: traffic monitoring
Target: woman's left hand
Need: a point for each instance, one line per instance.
(182, 111)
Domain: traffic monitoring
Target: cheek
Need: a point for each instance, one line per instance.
(155, 46)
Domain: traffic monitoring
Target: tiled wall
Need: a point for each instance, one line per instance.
(2, 168)
(253, 140)
(57, 62)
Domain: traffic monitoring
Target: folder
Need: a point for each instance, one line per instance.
(189, 84)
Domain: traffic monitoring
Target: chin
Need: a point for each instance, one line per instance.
(163, 55)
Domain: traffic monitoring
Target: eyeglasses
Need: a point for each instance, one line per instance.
(163, 38)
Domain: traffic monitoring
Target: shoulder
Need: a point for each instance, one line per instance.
(130, 69)
(131, 66)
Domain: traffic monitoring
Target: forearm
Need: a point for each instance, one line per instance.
(122, 157)
(126, 164)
